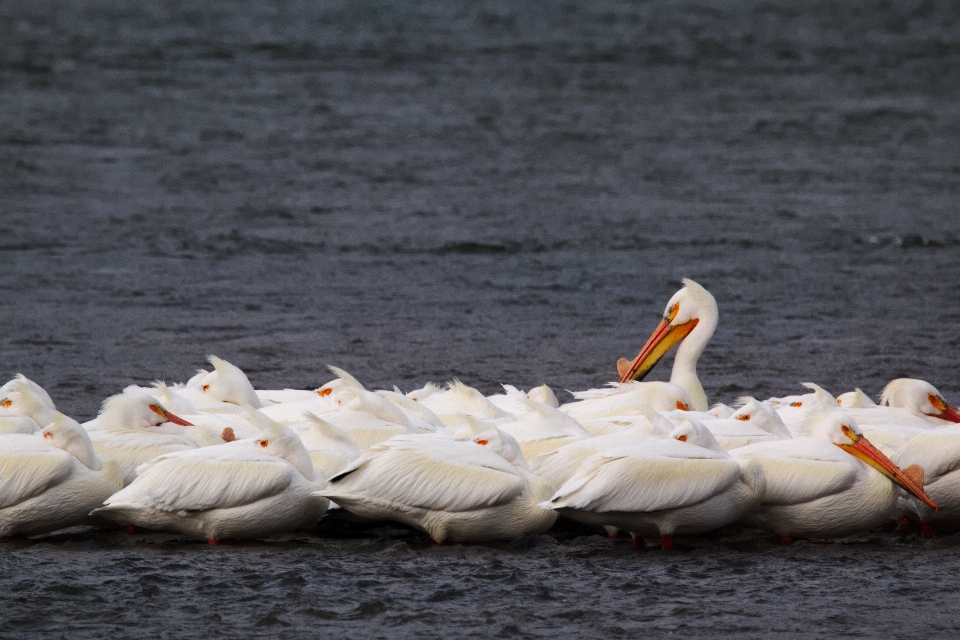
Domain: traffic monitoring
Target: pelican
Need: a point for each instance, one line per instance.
(755, 421)
(539, 428)
(26, 398)
(685, 483)
(937, 453)
(51, 480)
(129, 432)
(455, 491)
(226, 384)
(690, 319)
(828, 482)
(241, 489)
(627, 398)
(459, 399)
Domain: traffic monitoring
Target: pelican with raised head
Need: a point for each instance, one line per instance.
(689, 320)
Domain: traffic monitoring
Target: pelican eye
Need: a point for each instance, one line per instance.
(263, 443)
(796, 404)
(682, 438)
(682, 406)
(744, 417)
(324, 392)
(672, 312)
(937, 402)
(6, 402)
(847, 431)
(48, 434)
(205, 387)
(483, 442)
(838, 401)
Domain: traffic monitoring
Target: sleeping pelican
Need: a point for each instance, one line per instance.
(471, 491)
(241, 489)
(690, 319)
(51, 480)
(684, 483)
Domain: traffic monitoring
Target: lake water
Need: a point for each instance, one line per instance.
(491, 192)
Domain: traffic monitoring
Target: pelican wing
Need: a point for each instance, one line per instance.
(25, 474)
(429, 473)
(217, 477)
(936, 450)
(800, 470)
(636, 483)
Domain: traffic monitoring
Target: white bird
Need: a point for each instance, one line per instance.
(855, 399)
(241, 489)
(511, 400)
(329, 447)
(51, 480)
(129, 432)
(682, 484)
(25, 397)
(539, 428)
(937, 453)
(755, 421)
(459, 399)
(227, 383)
(454, 491)
(690, 318)
(827, 481)
(624, 398)
(921, 399)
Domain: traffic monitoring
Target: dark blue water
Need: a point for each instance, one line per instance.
(493, 192)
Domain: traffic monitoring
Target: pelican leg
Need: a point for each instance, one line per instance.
(666, 543)
(638, 542)
(926, 530)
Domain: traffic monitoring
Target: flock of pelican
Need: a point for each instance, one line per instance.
(214, 459)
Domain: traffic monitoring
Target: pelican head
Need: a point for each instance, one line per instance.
(24, 396)
(228, 383)
(692, 432)
(135, 410)
(502, 444)
(281, 441)
(65, 434)
(840, 429)
(919, 397)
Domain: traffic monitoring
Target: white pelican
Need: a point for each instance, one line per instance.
(540, 429)
(511, 400)
(329, 447)
(25, 397)
(754, 422)
(627, 398)
(921, 399)
(855, 399)
(241, 489)
(937, 453)
(681, 484)
(454, 491)
(227, 383)
(51, 480)
(560, 465)
(459, 399)
(828, 483)
(691, 317)
(796, 410)
(129, 432)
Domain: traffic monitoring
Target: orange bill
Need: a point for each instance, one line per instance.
(664, 338)
(169, 417)
(863, 449)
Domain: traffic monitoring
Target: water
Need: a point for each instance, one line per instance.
(421, 192)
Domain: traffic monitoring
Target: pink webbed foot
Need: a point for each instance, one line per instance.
(213, 540)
